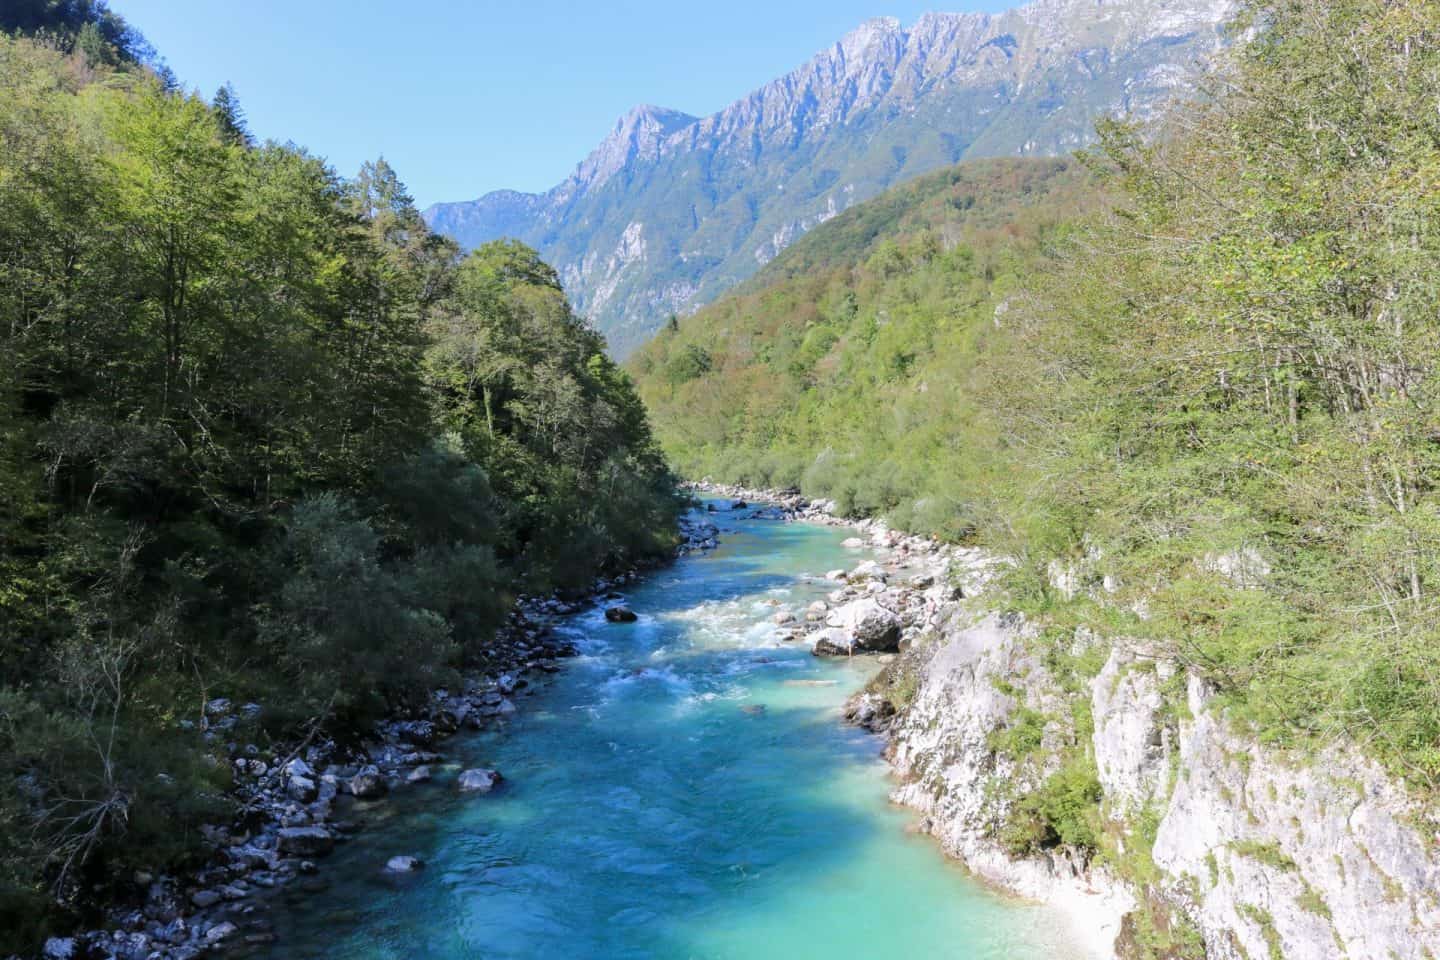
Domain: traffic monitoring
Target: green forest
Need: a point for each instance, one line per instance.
(265, 437)
(1187, 381)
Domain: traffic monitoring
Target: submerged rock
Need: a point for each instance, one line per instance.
(305, 841)
(478, 780)
(620, 614)
(404, 864)
(221, 931)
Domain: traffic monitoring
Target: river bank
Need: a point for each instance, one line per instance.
(1206, 841)
(684, 788)
(942, 585)
(295, 799)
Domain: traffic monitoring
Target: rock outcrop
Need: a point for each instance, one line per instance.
(1259, 852)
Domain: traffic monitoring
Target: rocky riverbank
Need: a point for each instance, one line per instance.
(917, 589)
(296, 801)
(1212, 844)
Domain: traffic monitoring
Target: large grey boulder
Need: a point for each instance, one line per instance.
(862, 626)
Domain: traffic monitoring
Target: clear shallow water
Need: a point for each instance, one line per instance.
(647, 813)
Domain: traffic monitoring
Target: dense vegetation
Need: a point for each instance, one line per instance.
(1202, 417)
(850, 366)
(262, 436)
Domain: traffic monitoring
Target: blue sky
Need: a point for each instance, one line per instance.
(465, 97)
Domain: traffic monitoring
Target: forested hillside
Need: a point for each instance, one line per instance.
(264, 437)
(1202, 417)
(856, 365)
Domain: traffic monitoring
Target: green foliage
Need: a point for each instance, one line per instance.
(87, 27)
(262, 435)
(1206, 380)
(1157, 931)
(1269, 854)
(1021, 737)
(1064, 810)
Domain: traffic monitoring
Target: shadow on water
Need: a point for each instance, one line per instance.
(668, 795)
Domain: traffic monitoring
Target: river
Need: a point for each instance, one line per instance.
(683, 789)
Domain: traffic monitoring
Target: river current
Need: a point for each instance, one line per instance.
(682, 790)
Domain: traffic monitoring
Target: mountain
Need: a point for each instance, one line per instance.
(670, 210)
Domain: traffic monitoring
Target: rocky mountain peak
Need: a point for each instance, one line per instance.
(635, 137)
(670, 210)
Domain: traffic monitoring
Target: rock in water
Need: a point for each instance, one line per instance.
(869, 570)
(863, 626)
(305, 841)
(478, 781)
(404, 864)
(832, 642)
(221, 931)
(620, 614)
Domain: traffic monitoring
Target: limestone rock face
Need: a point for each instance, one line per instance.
(1316, 857)
(1131, 742)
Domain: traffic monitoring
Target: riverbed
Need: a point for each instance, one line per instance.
(684, 789)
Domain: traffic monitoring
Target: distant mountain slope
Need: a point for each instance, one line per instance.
(671, 210)
(846, 365)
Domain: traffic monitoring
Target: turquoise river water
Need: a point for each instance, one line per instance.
(647, 813)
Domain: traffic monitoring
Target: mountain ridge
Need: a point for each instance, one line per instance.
(669, 209)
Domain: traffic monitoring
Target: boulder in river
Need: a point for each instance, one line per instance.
(404, 864)
(863, 626)
(478, 780)
(620, 614)
(832, 642)
(221, 931)
(869, 570)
